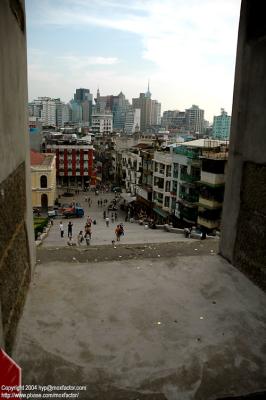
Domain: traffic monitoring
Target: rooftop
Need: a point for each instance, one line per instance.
(40, 158)
(205, 143)
(142, 327)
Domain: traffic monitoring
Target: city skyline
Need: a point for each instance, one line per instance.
(186, 50)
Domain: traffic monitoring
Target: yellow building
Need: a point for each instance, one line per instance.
(43, 179)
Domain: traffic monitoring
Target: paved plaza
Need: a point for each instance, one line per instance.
(101, 234)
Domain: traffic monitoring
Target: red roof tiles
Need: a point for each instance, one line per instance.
(36, 158)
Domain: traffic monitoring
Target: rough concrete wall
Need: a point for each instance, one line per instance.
(16, 232)
(243, 222)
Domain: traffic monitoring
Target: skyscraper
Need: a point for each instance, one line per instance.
(76, 111)
(195, 120)
(221, 126)
(150, 110)
(84, 99)
(48, 112)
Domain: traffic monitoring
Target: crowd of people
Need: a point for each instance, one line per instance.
(110, 214)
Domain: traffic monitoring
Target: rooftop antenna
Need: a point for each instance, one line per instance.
(148, 94)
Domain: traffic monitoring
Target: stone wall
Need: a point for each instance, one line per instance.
(16, 228)
(244, 211)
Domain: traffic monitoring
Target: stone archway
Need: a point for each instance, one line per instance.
(44, 201)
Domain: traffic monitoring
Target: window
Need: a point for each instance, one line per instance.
(168, 170)
(43, 181)
(166, 201)
(167, 186)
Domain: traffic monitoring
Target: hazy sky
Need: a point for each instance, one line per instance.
(186, 48)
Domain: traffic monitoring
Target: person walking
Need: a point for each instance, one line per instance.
(112, 218)
(61, 228)
(107, 221)
(88, 230)
(87, 238)
(69, 229)
(118, 233)
(104, 214)
(115, 216)
(122, 229)
(80, 238)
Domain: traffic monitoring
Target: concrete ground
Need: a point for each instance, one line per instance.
(146, 327)
(134, 233)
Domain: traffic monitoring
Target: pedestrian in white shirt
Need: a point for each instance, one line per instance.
(61, 228)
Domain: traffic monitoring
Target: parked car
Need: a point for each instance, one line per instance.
(77, 212)
(54, 213)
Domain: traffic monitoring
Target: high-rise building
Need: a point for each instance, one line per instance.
(76, 111)
(221, 126)
(119, 110)
(124, 117)
(103, 103)
(132, 120)
(102, 124)
(48, 112)
(62, 113)
(195, 120)
(150, 110)
(174, 120)
(84, 99)
(82, 95)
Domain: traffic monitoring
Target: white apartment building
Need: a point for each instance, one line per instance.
(162, 180)
(48, 112)
(102, 124)
(131, 165)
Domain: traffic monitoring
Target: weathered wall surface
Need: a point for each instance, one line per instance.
(16, 236)
(244, 211)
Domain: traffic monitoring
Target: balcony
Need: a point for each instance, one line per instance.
(208, 223)
(158, 189)
(158, 201)
(194, 162)
(189, 178)
(190, 198)
(189, 214)
(221, 155)
(209, 202)
(212, 179)
(159, 174)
